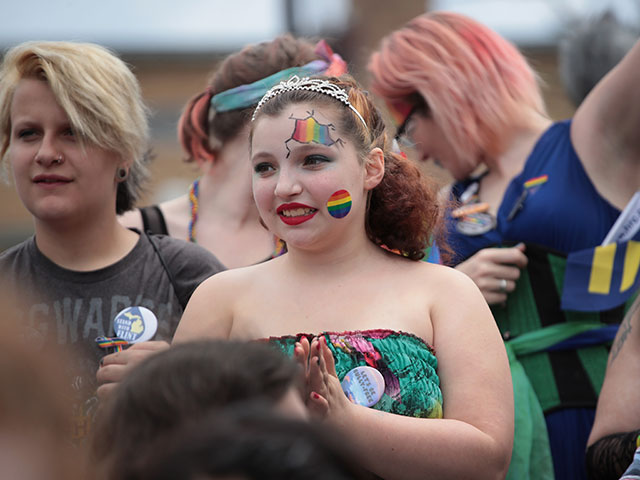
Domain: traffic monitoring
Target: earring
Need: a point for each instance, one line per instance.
(122, 173)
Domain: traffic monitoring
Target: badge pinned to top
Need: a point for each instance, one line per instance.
(363, 386)
(135, 324)
(474, 219)
(534, 182)
(530, 187)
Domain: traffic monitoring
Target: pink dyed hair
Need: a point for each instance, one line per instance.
(477, 85)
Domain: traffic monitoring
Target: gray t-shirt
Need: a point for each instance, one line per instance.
(73, 308)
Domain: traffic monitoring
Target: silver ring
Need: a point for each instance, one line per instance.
(58, 159)
(503, 285)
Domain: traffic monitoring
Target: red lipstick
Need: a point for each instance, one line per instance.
(295, 213)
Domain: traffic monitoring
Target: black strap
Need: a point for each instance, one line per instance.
(166, 268)
(153, 220)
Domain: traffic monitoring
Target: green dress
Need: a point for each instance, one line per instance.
(407, 363)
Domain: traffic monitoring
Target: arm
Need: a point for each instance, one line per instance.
(209, 313)
(489, 266)
(618, 407)
(605, 131)
(475, 437)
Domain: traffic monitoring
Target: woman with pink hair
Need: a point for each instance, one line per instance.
(466, 98)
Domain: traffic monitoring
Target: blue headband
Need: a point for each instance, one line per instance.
(248, 95)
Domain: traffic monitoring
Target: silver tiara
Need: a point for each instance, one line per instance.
(312, 84)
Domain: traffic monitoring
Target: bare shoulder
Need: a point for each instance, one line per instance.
(211, 309)
(443, 288)
(444, 277)
(229, 283)
(131, 219)
(423, 274)
(454, 296)
(178, 206)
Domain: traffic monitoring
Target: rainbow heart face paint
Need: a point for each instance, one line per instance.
(339, 204)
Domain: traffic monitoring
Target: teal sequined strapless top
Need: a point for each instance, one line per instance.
(407, 363)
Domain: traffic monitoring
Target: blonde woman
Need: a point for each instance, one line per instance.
(73, 129)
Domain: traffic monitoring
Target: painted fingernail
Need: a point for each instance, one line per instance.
(315, 395)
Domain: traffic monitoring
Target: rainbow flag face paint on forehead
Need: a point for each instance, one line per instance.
(309, 130)
(339, 204)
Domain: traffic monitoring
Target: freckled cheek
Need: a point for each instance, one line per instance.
(325, 183)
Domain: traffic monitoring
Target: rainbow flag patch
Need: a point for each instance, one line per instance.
(534, 182)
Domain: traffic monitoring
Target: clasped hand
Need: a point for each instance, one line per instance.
(322, 391)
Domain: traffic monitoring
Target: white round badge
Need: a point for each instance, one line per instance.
(135, 324)
(363, 386)
(476, 224)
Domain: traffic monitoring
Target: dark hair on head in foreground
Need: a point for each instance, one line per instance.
(184, 384)
(248, 441)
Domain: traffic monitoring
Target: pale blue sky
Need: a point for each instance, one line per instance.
(174, 25)
(187, 25)
(537, 22)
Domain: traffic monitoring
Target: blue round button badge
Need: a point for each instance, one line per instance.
(363, 386)
(135, 324)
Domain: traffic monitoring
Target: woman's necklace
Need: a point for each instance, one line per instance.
(193, 203)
